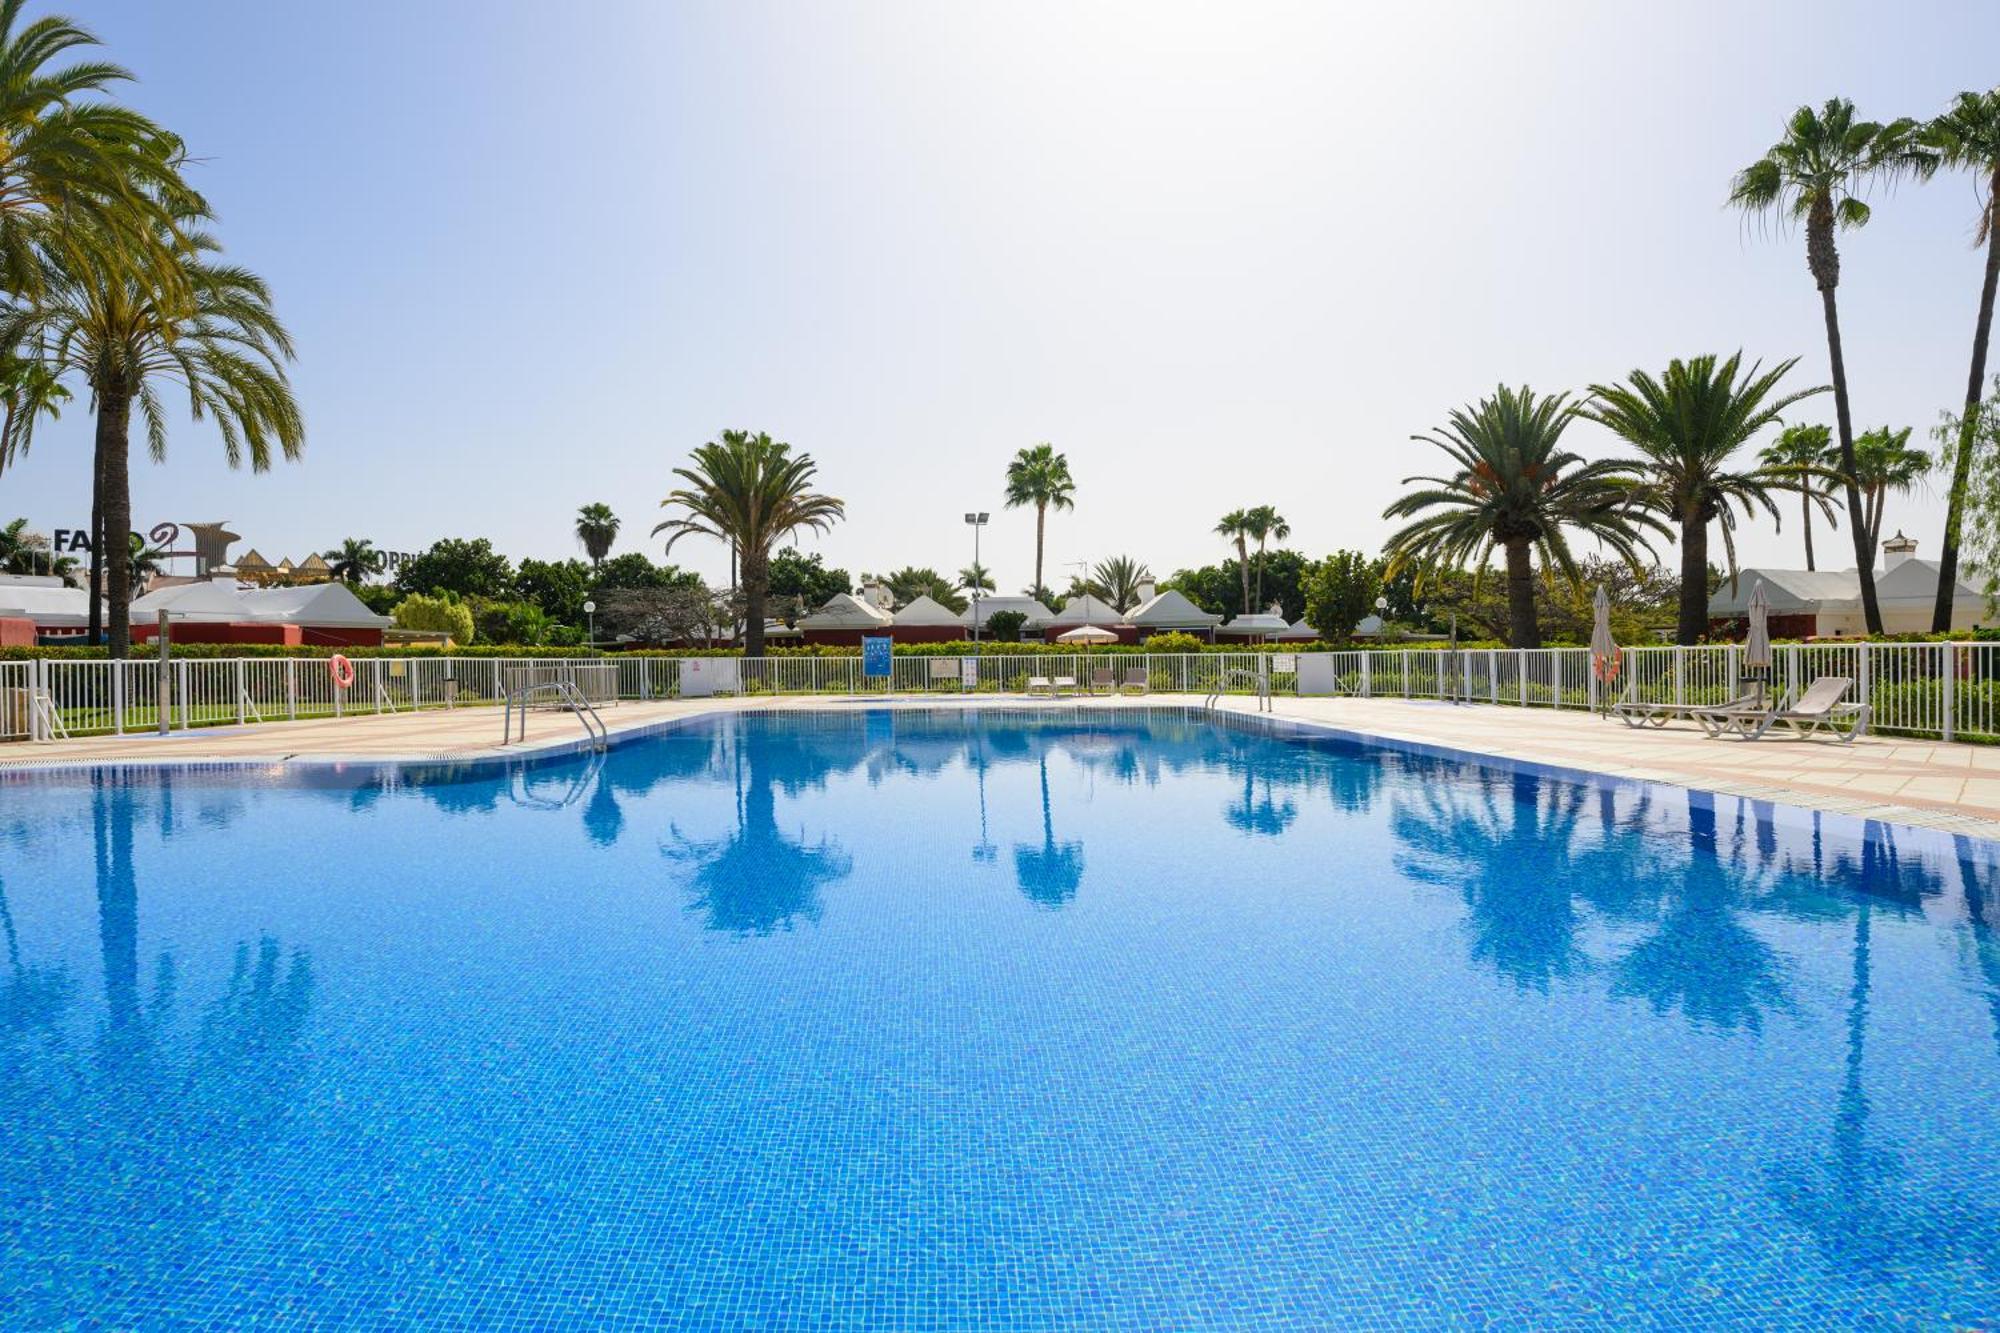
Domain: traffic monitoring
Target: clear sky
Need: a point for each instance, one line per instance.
(1218, 254)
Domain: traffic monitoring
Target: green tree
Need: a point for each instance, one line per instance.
(462, 567)
(1264, 524)
(1885, 464)
(1116, 581)
(1040, 477)
(29, 391)
(1513, 486)
(420, 611)
(1812, 175)
(1216, 588)
(803, 582)
(558, 587)
(976, 578)
(596, 528)
(1006, 626)
(1213, 588)
(1801, 461)
(1340, 593)
(634, 570)
(1982, 494)
(128, 333)
(911, 582)
(1235, 525)
(1967, 138)
(354, 559)
(750, 491)
(512, 622)
(1688, 426)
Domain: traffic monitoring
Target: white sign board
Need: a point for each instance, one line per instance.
(703, 676)
(1316, 673)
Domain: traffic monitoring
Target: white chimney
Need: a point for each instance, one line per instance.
(1897, 549)
(878, 596)
(1147, 592)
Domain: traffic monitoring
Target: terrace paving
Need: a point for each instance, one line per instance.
(1929, 783)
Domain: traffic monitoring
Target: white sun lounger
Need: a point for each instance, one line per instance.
(1137, 679)
(1639, 713)
(1817, 712)
(1103, 680)
(1065, 683)
(1040, 684)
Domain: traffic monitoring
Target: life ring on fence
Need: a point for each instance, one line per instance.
(341, 670)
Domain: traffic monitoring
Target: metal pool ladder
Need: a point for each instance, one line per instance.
(1256, 678)
(566, 695)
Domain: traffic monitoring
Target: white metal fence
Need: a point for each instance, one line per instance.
(1949, 690)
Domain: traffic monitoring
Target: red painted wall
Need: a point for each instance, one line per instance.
(265, 632)
(15, 633)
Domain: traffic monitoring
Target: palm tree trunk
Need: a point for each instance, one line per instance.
(1041, 528)
(96, 543)
(1260, 573)
(1693, 620)
(1243, 568)
(756, 581)
(1975, 387)
(114, 421)
(1805, 503)
(1864, 563)
(1522, 631)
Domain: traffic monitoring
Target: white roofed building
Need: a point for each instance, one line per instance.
(1826, 603)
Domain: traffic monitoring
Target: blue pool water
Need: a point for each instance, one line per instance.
(1042, 1019)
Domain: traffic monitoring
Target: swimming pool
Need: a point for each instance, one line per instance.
(1013, 1018)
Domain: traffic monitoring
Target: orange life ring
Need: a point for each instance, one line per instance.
(341, 670)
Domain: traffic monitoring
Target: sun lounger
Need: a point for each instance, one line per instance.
(1817, 711)
(1041, 684)
(1103, 680)
(1137, 679)
(1065, 683)
(1639, 713)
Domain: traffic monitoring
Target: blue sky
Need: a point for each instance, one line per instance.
(1220, 255)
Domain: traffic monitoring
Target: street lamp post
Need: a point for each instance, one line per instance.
(976, 522)
(590, 611)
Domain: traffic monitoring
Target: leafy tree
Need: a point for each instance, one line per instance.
(804, 580)
(976, 578)
(1812, 175)
(596, 528)
(1042, 593)
(1116, 581)
(1885, 463)
(381, 598)
(749, 491)
(512, 622)
(1341, 591)
(633, 570)
(1982, 495)
(558, 587)
(354, 560)
(1040, 477)
(210, 328)
(1967, 137)
(420, 611)
(1689, 425)
(1235, 525)
(911, 582)
(682, 612)
(1006, 626)
(1801, 461)
(464, 568)
(1215, 588)
(1514, 487)
(1264, 523)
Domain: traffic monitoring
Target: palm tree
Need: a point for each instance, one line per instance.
(596, 528)
(1884, 462)
(1811, 175)
(1801, 457)
(120, 329)
(749, 491)
(78, 174)
(354, 559)
(1040, 477)
(1687, 426)
(1117, 581)
(1968, 137)
(29, 391)
(1235, 525)
(1515, 487)
(1266, 524)
(976, 578)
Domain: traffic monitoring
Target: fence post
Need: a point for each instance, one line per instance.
(1680, 676)
(1950, 683)
(1406, 673)
(292, 689)
(1590, 686)
(242, 694)
(184, 684)
(38, 684)
(1864, 674)
(118, 697)
(1367, 674)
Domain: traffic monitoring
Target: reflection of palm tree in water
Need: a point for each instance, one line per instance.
(34, 996)
(1266, 815)
(1048, 874)
(757, 879)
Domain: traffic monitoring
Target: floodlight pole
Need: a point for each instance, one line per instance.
(976, 522)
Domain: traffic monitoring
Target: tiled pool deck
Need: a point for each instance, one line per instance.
(1928, 783)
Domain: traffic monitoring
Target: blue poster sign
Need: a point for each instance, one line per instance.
(875, 654)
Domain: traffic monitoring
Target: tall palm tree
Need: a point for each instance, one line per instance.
(976, 578)
(29, 391)
(354, 559)
(1967, 137)
(1040, 477)
(596, 528)
(749, 491)
(127, 335)
(1810, 176)
(1885, 463)
(1235, 525)
(1514, 486)
(1266, 524)
(1802, 457)
(1117, 581)
(1688, 425)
